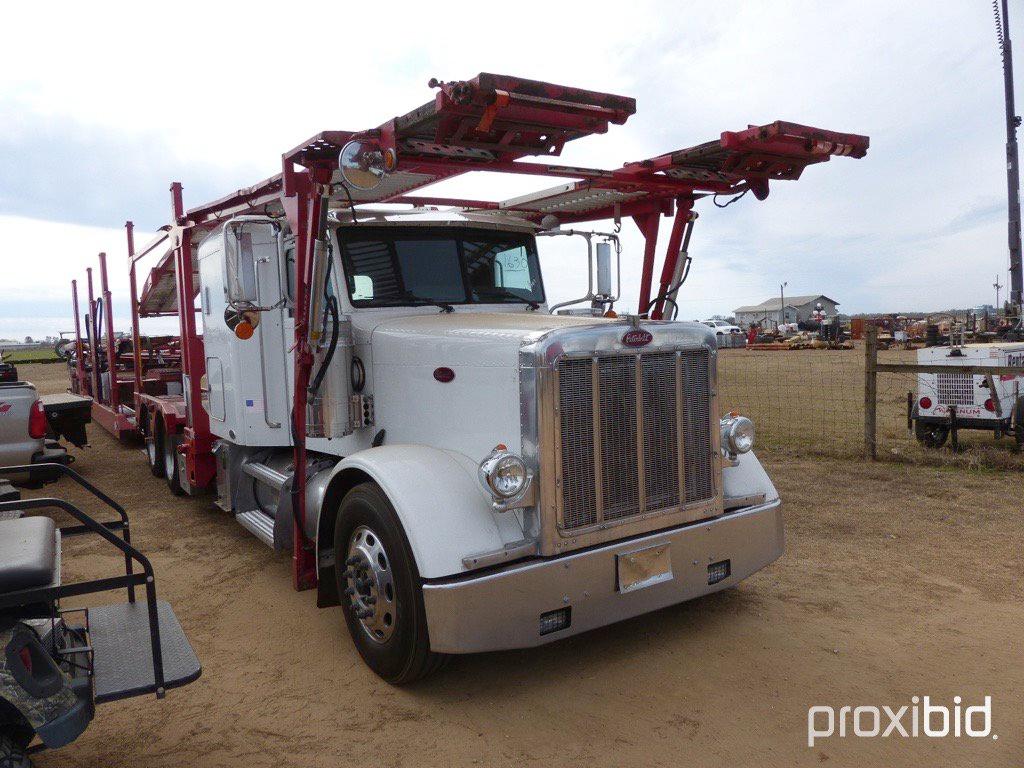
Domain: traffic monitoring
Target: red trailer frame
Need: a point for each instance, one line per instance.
(115, 408)
(489, 123)
(108, 410)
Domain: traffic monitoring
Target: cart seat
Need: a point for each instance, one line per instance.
(28, 553)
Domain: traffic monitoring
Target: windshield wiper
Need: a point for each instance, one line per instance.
(408, 297)
(506, 293)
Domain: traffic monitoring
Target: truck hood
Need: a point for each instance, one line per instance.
(474, 339)
(475, 404)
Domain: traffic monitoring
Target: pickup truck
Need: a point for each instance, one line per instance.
(30, 427)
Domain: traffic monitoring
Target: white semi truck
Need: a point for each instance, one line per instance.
(382, 390)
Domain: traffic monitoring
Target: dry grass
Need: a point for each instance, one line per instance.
(43, 355)
(811, 403)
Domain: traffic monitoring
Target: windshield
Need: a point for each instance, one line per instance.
(392, 266)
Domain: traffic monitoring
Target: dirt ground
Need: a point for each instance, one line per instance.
(897, 581)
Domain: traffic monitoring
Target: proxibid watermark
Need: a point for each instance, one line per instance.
(922, 717)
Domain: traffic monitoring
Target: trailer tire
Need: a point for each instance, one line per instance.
(931, 435)
(154, 444)
(12, 753)
(404, 655)
(169, 449)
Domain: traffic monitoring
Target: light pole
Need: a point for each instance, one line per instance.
(782, 302)
(1012, 171)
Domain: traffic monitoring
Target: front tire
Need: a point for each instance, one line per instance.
(380, 590)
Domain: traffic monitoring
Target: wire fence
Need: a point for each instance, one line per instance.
(812, 402)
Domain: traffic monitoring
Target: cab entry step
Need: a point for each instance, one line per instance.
(122, 655)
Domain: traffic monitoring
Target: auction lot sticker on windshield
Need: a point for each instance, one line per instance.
(644, 567)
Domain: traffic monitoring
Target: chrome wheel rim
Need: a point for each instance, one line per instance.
(151, 451)
(169, 461)
(369, 585)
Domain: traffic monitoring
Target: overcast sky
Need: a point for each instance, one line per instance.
(102, 105)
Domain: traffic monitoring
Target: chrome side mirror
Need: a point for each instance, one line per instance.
(604, 269)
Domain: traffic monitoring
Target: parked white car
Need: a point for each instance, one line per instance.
(721, 327)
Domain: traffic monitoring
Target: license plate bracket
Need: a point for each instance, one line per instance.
(643, 568)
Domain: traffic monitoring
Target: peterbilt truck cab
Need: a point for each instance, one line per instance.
(483, 474)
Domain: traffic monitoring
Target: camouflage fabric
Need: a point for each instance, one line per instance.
(38, 711)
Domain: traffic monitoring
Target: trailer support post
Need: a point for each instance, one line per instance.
(303, 205)
(93, 341)
(113, 396)
(199, 463)
(136, 339)
(675, 241)
(79, 349)
(648, 225)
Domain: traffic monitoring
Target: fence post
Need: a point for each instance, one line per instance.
(870, 388)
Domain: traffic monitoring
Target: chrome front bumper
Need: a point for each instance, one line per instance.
(501, 609)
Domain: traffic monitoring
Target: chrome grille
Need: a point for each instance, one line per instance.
(661, 443)
(700, 482)
(625, 458)
(576, 406)
(955, 388)
(620, 495)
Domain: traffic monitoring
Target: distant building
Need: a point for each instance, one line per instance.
(798, 309)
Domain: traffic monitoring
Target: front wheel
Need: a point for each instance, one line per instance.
(930, 435)
(12, 753)
(379, 587)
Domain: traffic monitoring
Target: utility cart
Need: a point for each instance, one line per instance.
(58, 662)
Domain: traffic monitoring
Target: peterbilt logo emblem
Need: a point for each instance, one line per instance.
(637, 338)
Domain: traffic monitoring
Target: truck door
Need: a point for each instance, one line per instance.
(266, 400)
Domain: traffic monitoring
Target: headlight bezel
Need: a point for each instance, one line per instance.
(738, 435)
(489, 470)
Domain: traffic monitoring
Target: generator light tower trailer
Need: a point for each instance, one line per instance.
(383, 391)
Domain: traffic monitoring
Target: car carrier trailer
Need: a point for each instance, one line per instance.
(382, 390)
(111, 371)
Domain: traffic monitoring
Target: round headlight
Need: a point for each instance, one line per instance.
(504, 474)
(738, 434)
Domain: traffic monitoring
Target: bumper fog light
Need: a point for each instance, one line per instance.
(553, 621)
(719, 571)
